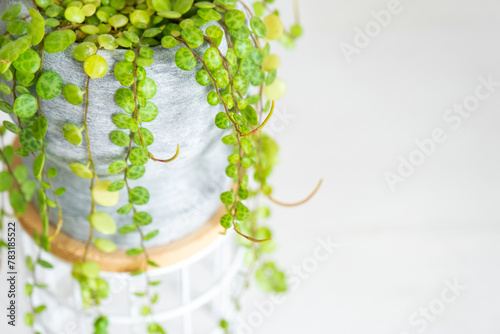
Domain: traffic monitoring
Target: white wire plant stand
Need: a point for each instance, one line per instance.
(194, 296)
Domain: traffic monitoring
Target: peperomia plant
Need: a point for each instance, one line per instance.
(243, 80)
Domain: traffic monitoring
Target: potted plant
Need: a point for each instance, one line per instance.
(133, 118)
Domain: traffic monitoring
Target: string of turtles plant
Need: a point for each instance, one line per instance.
(243, 80)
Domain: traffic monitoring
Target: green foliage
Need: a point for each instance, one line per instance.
(138, 28)
(49, 85)
(102, 222)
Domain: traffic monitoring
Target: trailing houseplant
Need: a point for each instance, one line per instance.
(227, 42)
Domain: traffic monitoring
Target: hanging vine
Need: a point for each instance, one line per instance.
(243, 80)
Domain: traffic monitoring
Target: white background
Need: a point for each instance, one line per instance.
(351, 122)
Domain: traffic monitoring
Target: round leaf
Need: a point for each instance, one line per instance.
(105, 245)
(49, 85)
(139, 195)
(102, 196)
(81, 170)
(25, 106)
(72, 134)
(27, 62)
(103, 222)
(138, 157)
(59, 40)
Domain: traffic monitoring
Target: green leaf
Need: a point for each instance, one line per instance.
(151, 235)
(212, 58)
(229, 140)
(81, 170)
(45, 264)
(131, 36)
(258, 26)
(242, 211)
(105, 245)
(145, 310)
(17, 27)
(234, 19)
(161, 5)
(120, 138)
(12, 12)
(116, 186)
(215, 33)
(184, 59)
(6, 181)
(226, 220)
(73, 94)
(49, 85)
(29, 319)
(222, 121)
(124, 72)
(124, 97)
(193, 36)
(27, 62)
(117, 166)
(28, 289)
(147, 137)
(139, 195)
(72, 134)
(60, 191)
(127, 229)
(170, 14)
(132, 125)
(138, 157)
(242, 47)
(182, 6)
(36, 27)
(17, 201)
(232, 171)
(52, 172)
(90, 269)
(4, 89)
(149, 112)
(209, 14)
(168, 42)
(147, 88)
(134, 251)
(8, 152)
(102, 222)
(241, 33)
(40, 309)
(270, 278)
(11, 127)
(25, 106)
(227, 197)
(226, 3)
(39, 127)
(135, 172)
(21, 173)
(251, 115)
(120, 120)
(5, 107)
(59, 40)
(142, 218)
(153, 264)
(124, 209)
(38, 164)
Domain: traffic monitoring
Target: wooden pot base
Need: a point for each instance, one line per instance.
(71, 250)
(66, 248)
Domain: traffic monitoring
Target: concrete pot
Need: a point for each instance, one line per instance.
(184, 194)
